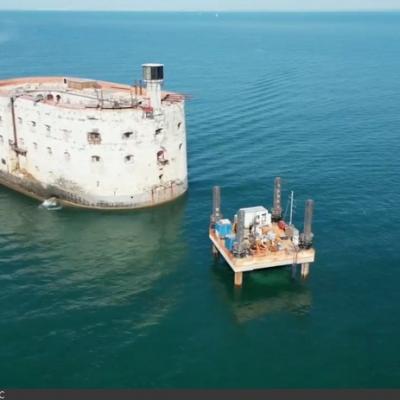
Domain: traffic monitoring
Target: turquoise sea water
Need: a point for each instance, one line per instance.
(91, 299)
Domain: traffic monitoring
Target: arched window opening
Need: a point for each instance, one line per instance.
(49, 97)
(58, 98)
(180, 146)
(179, 125)
(94, 137)
(127, 135)
(49, 151)
(129, 158)
(3, 161)
(35, 145)
(95, 159)
(67, 156)
(162, 157)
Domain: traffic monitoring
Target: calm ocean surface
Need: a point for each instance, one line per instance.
(134, 299)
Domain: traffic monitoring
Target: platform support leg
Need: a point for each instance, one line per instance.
(305, 270)
(238, 278)
(294, 270)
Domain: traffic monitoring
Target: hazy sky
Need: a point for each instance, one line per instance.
(273, 5)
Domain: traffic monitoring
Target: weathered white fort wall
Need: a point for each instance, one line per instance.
(123, 158)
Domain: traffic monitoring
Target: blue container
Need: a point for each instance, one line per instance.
(230, 241)
(223, 227)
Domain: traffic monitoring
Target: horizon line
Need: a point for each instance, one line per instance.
(311, 10)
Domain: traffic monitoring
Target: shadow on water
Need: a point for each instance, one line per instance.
(84, 259)
(263, 292)
(84, 286)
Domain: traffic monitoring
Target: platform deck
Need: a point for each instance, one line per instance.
(287, 256)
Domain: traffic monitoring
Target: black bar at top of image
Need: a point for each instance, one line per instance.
(27, 394)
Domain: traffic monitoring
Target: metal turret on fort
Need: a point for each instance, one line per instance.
(153, 77)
